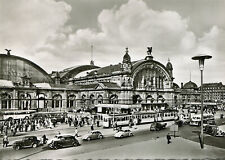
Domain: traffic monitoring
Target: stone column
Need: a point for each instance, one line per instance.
(14, 97)
(64, 100)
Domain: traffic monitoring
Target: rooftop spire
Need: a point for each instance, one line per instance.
(92, 61)
(190, 75)
(126, 57)
(127, 50)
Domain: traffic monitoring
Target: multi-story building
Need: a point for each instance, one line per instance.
(214, 91)
(142, 85)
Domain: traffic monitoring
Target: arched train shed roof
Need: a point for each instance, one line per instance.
(73, 71)
(13, 68)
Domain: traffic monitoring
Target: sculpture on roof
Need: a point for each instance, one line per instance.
(8, 51)
(149, 52)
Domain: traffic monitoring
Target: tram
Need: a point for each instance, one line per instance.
(196, 119)
(138, 118)
(16, 114)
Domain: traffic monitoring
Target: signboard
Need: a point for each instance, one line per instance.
(174, 128)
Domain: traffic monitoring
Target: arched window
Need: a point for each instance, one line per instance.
(71, 101)
(113, 99)
(137, 99)
(5, 101)
(162, 99)
(42, 102)
(149, 99)
(25, 101)
(92, 99)
(100, 99)
(57, 101)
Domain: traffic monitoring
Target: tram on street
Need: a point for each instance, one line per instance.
(58, 116)
(196, 119)
(16, 114)
(138, 118)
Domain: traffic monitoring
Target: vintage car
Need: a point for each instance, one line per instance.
(61, 141)
(28, 141)
(93, 135)
(156, 126)
(123, 133)
(217, 131)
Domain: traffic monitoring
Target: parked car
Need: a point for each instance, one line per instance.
(208, 129)
(28, 141)
(123, 133)
(156, 126)
(93, 135)
(217, 131)
(220, 131)
(61, 141)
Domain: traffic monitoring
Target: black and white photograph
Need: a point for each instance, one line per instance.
(112, 79)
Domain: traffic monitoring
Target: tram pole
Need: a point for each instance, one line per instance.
(113, 114)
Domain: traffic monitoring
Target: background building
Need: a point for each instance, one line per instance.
(214, 91)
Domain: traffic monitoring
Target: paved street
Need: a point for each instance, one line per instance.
(143, 144)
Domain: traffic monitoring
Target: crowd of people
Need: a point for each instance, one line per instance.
(13, 126)
(79, 120)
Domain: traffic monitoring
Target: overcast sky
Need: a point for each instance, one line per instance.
(57, 34)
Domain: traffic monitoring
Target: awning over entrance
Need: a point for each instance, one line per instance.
(120, 106)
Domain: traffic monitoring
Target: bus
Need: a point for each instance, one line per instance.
(139, 118)
(16, 114)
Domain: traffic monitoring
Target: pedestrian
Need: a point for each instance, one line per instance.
(130, 125)
(168, 137)
(69, 121)
(59, 132)
(5, 141)
(115, 125)
(92, 127)
(44, 139)
(97, 123)
(76, 132)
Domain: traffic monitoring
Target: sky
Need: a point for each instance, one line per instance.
(57, 34)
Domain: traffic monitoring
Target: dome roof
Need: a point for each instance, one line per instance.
(175, 86)
(190, 85)
(126, 57)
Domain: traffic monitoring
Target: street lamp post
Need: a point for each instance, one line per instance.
(201, 59)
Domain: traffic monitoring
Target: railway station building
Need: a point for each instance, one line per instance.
(139, 85)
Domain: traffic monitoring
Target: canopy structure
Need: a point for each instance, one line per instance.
(119, 106)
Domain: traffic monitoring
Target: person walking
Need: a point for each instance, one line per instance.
(5, 141)
(98, 123)
(168, 137)
(76, 132)
(44, 139)
(92, 127)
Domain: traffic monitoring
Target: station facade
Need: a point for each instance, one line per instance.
(140, 85)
